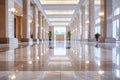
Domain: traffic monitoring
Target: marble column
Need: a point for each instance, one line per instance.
(78, 24)
(7, 22)
(35, 23)
(78, 28)
(75, 23)
(86, 21)
(106, 21)
(40, 25)
(83, 22)
(43, 25)
(25, 22)
(45, 30)
(91, 21)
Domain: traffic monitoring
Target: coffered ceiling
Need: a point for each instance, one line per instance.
(59, 12)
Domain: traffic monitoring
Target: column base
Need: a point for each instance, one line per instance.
(108, 40)
(28, 40)
(8, 41)
(91, 40)
(36, 40)
(40, 39)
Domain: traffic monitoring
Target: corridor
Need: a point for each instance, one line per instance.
(70, 61)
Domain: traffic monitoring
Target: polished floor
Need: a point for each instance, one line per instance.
(60, 61)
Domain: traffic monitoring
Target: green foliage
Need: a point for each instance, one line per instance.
(50, 34)
(97, 35)
(69, 34)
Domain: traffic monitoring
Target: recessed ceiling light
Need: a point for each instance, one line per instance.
(59, 1)
(59, 12)
(59, 23)
(59, 19)
(97, 2)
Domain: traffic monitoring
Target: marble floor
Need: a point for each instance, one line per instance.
(60, 61)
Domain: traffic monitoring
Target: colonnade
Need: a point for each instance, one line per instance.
(34, 26)
(84, 24)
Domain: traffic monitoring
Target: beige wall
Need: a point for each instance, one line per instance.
(59, 37)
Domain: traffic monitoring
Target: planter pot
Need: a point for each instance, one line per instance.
(69, 39)
(50, 39)
(96, 37)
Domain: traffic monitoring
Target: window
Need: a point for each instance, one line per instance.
(60, 30)
(97, 21)
(117, 11)
(97, 29)
(116, 29)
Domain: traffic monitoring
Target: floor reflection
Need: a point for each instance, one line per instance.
(82, 61)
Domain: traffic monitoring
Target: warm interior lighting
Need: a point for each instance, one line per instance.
(38, 57)
(17, 70)
(21, 15)
(59, 19)
(97, 2)
(30, 21)
(59, 23)
(13, 11)
(59, 12)
(87, 22)
(80, 56)
(30, 62)
(37, 25)
(59, 1)
(42, 54)
(87, 62)
(101, 72)
(101, 14)
(13, 77)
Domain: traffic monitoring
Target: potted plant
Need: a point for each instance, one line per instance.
(69, 35)
(50, 35)
(97, 35)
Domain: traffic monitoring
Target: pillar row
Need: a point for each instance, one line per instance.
(40, 25)
(106, 21)
(25, 22)
(7, 22)
(35, 22)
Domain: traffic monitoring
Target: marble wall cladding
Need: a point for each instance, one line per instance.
(7, 19)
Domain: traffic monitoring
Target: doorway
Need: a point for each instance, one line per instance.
(59, 36)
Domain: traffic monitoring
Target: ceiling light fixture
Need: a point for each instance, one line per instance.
(59, 23)
(59, 19)
(59, 2)
(59, 12)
